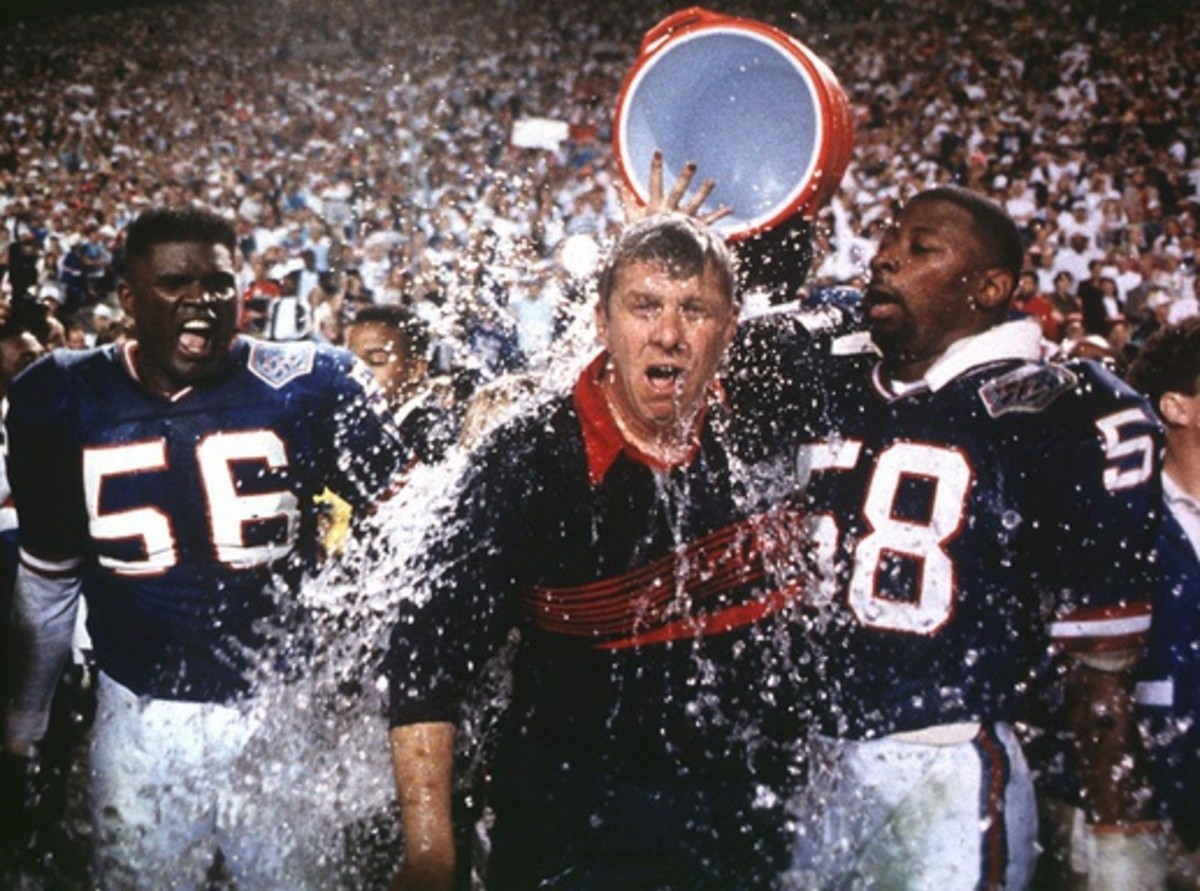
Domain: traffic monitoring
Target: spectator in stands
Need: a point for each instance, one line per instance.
(1029, 300)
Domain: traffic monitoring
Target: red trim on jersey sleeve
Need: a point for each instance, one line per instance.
(1103, 629)
(994, 763)
(395, 487)
(602, 439)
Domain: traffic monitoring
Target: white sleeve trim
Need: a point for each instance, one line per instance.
(50, 567)
(1117, 627)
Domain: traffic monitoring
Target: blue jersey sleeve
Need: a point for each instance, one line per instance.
(369, 454)
(1097, 474)
(43, 463)
(774, 378)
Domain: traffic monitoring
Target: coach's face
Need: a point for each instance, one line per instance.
(665, 336)
(925, 288)
(183, 299)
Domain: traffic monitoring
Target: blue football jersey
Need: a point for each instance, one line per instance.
(956, 527)
(186, 516)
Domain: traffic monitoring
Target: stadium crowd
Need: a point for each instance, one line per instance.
(369, 153)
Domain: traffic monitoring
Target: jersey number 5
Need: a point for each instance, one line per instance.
(229, 512)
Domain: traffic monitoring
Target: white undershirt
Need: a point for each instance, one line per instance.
(1186, 508)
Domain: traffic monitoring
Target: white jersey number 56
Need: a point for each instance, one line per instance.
(229, 512)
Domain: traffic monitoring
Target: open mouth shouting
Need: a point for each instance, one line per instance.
(197, 338)
(665, 379)
(665, 387)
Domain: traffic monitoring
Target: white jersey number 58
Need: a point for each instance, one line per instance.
(923, 541)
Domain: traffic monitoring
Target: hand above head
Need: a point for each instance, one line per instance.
(657, 202)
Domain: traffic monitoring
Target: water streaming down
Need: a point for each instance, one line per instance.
(361, 595)
(320, 756)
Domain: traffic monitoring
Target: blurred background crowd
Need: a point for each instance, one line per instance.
(458, 160)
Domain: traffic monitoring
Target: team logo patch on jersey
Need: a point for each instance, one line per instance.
(277, 364)
(1029, 388)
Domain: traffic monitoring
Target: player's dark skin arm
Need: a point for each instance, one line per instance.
(1100, 711)
(423, 762)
